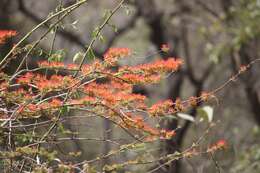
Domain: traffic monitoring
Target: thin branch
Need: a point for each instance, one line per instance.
(206, 8)
(70, 8)
(68, 35)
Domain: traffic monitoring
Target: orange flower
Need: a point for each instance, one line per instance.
(5, 34)
(156, 67)
(161, 108)
(167, 134)
(119, 85)
(172, 64)
(72, 66)
(114, 54)
(82, 101)
(55, 82)
(32, 108)
(114, 93)
(26, 79)
(55, 102)
(220, 144)
(140, 79)
(94, 66)
(55, 64)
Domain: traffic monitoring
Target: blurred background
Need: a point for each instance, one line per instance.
(213, 37)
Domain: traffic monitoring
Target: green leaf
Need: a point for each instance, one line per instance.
(57, 56)
(95, 32)
(64, 110)
(206, 113)
(91, 55)
(102, 38)
(113, 26)
(78, 57)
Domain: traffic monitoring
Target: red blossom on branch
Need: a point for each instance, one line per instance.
(5, 34)
(161, 108)
(156, 67)
(140, 79)
(44, 84)
(220, 144)
(112, 56)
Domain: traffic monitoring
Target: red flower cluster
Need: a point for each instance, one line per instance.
(137, 121)
(114, 93)
(96, 66)
(112, 56)
(140, 79)
(220, 144)
(5, 34)
(55, 82)
(86, 100)
(51, 105)
(26, 78)
(57, 65)
(161, 108)
(156, 67)
(43, 84)
(149, 73)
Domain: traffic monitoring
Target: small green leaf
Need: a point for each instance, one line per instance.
(102, 38)
(95, 32)
(206, 112)
(64, 110)
(113, 26)
(57, 56)
(91, 55)
(78, 57)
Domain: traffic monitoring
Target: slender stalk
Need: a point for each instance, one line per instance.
(100, 28)
(43, 36)
(79, 3)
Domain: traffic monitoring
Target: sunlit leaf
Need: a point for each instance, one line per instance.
(186, 117)
(206, 113)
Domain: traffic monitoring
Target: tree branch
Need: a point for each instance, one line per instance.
(75, 38)
(68, 35)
